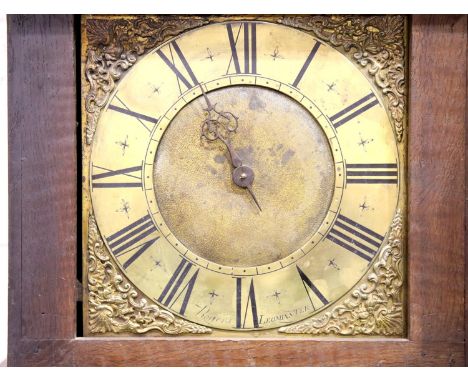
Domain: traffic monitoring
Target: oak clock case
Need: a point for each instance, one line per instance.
(244, 177)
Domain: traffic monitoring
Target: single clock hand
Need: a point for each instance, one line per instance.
(207, 100)
(215, 127)
(235, 159)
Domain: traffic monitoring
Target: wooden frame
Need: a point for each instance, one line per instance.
(44, 236)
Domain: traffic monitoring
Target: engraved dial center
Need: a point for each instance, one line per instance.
(204, 201)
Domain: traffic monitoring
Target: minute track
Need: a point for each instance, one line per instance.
(217, 83)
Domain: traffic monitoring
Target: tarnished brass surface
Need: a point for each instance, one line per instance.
(211, 229)
(375, 306)
(294, 179)
(117, 307)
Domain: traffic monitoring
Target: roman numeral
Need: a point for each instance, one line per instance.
(306, 64)
(100, 180)
(189, 83)
(353, 110)
(124, 109)
(249, 48)
(169, 295)
(355, 238)
(130, 238)
(372, 173)
(250, 303)
(310, 287)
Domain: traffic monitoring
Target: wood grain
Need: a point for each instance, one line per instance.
(43, 232)
(466, 208)
(435, 164)
(195, 352)
(43, 171)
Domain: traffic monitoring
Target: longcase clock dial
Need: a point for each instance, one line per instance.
(244, 175)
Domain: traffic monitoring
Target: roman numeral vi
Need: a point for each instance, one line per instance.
(250, 303)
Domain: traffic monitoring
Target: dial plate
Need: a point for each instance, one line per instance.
(294, 178)
(276, 290)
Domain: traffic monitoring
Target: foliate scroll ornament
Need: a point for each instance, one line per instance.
(114, 45)
(115, 306)
(375, 43)
(376, 306)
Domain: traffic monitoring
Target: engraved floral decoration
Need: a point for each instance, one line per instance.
(376, 306)
(115, 306)
(114, 45)
(375, 43)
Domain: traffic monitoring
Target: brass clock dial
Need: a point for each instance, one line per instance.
(244, 175)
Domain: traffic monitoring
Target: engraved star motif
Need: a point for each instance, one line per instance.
(125, 208)
(276, 54)
(213, 294)
(123, 144)
(154, 88)
(364, 206)
(210, 55)
(332, 263)
(276, 296)
(363, 142)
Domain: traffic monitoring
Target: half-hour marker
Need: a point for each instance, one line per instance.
(363, 142)
(276, 295)
(355, 238)
(249, 48)
(372, 173)
(307, 62)
(364, 206)
(124, 109)
(123, 144)
(310, 287)
(120, 177)
(276, 54)
(171, 294)
(130, 239)
(189, 83)
(331, 87)
(332, 263)
(213, 294)
(250, 303)
(125, 208)
(354, 110)
(210, 56)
